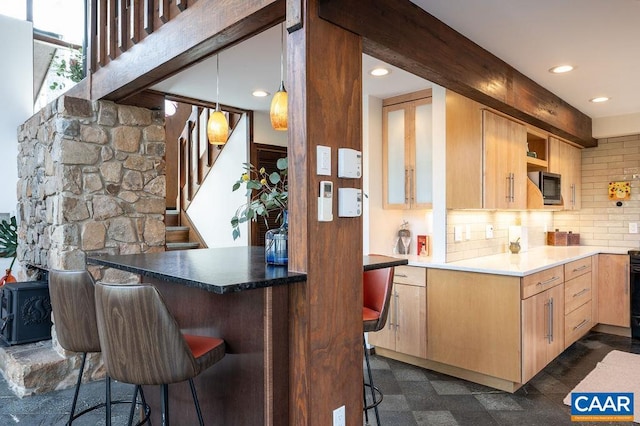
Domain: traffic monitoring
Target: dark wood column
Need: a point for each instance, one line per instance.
(325, 103)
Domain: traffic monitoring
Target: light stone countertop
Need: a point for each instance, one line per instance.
(519, 265)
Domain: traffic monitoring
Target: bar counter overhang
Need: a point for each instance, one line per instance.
(207, 290)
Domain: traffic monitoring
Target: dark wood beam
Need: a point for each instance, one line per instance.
(325, 315)
(190, 37)
(406, 36)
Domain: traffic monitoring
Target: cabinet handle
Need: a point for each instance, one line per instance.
(406, 186)
(582, 324)
(549, 281)
(551, 320)
(401, 275)
(580, 268)
(513, 188)
(581, 292)
(412, 190)
(573, 194)
(547, 335)
(396, 297)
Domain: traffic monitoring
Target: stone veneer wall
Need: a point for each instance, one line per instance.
(91, 181)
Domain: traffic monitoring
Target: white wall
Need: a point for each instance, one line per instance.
(620, 125)
(215, 203)
(16, 94)
(264, 133)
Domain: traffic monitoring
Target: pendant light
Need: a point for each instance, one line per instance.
(278, 111)
(217, 126)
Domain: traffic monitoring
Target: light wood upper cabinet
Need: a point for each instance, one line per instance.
(505, 165)
(613, 290)
(464, 152)
(566, 160)
(407, 151)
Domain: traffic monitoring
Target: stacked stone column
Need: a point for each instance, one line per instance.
(91, 181)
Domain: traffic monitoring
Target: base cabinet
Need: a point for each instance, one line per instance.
(406, 328)
(542, 330)
(613, 290)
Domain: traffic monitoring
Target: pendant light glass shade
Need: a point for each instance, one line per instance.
(217, 125)
(279, 111)
(217, 128)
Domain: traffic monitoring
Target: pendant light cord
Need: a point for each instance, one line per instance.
(282, 58)
(217, 82)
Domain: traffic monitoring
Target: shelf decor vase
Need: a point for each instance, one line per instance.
(7, 278)
(276, 243)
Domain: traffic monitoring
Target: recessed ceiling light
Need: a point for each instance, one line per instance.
(599, 99)
(560, 69)
(379, 71)
(260, 93)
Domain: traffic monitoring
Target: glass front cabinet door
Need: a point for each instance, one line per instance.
(407, 151)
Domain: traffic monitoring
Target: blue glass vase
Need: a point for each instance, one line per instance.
(276, 243)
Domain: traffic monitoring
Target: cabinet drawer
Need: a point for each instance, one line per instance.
(577, 292)
(411, 275)
(540, 281)
(576, 268)
(577, 323)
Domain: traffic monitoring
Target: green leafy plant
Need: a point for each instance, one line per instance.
(267, 193)
(72, 70)
(9, 239)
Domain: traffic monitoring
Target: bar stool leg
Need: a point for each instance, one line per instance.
(195, 401)
(164, 402)
(107, 401)
(373, 389)
(77, 391)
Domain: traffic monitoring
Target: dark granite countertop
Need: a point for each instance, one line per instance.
(219, 270)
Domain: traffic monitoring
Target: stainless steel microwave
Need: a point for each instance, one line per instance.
(549, 184)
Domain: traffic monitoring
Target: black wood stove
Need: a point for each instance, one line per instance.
(25, 312)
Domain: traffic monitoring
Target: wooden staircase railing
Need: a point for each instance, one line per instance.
(197, 155)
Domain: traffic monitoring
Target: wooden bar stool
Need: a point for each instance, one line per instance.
(142, 343)
(377, 286)
(73, 306)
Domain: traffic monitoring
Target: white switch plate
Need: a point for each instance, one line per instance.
(323, 160)
(633, 228)
(457, 233)
(339, 418)
(489, 231)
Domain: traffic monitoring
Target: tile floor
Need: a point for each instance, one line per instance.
(413, 396)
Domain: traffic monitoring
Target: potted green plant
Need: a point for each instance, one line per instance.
(8, 246)
(267, 195)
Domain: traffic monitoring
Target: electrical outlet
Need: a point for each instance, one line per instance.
(339, 417)
(633, 228)
(489, 231)
(457, 233)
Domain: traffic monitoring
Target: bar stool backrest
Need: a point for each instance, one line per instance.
(74, 313)
(141, 341)
(377, 286)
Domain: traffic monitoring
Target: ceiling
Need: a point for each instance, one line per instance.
(600, 38)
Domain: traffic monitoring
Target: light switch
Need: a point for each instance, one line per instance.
(633, 228)
(323, 160)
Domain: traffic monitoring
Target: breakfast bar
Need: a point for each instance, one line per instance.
(207, 291)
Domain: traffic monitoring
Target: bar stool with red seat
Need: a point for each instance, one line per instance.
(377, 286)
(142, 343)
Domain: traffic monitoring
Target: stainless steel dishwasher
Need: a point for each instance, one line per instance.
(634, 281)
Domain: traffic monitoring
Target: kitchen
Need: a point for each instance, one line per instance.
(437, 241)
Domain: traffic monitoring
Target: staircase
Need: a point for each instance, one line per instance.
(177, 236)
